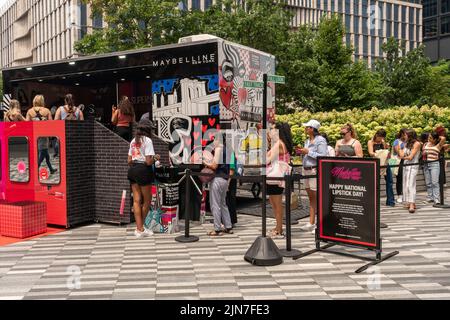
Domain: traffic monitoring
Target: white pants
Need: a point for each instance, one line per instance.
(409, 183)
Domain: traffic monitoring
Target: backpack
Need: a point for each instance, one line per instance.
(71, 115)
(38, 116)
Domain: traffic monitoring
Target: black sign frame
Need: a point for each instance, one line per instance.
(373, 164)
(332, 241)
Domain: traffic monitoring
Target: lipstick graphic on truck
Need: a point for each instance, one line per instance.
(122, 203)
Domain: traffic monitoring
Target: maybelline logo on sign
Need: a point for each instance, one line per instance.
(194, 60)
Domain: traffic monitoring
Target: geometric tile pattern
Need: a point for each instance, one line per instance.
(111, 264)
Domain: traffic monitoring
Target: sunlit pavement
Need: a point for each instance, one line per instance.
(102, 261)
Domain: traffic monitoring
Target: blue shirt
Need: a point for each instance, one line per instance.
(318, 148)
(396, 143)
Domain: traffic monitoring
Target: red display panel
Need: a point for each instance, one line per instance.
(51, 188)
(16, 190)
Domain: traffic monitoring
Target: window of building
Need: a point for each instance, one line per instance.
(356, 24)
(388, 29)
(388, 11)
(403, 14)
(347, 6)
(365, 45)
(347, 22)
(373, 45)
(445, 25)
(97, 21)
(445, 6)
(357, 43)
(429, 8)
(83, 20)
(208, 3)
(430, 28)
(411, 31)
(195, 4)
(380, 47)
(396, 30)
(355, 7)
(365, 4)
(365, 27)
(403, 26)
(396, 12)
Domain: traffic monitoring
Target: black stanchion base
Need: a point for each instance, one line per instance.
(293, 253)
(264, 252)
(187, 239)
(383, 225)
(442, 206)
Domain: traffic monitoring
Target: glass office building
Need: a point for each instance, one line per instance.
(34, 31)
(436, 29)
(368, 22)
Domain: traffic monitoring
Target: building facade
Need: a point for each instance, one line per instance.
(436, 29)
(34, 31)
(369, 23)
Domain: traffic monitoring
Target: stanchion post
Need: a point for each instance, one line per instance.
(264, 251)
(442, 204)
(187, 212)
(288, 252)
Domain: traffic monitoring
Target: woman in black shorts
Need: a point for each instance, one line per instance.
(280, 138)
(141, 157)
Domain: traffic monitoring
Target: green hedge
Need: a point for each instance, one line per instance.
(367, 122)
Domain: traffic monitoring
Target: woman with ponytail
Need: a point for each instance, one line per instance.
(69, 111)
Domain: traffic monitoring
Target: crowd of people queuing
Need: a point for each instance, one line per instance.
(400, 161)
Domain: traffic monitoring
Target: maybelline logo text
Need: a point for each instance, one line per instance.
(200, 59)
(346, 174)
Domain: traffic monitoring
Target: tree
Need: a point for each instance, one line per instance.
(298, 64)
(439, 85)
(342, 83)
(132, 24)
(260, 24)
(405, 76)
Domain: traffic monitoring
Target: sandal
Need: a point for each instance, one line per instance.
(229, 231)
(274, 234)
(214, 233)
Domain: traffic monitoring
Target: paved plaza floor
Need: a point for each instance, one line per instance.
(103, 261)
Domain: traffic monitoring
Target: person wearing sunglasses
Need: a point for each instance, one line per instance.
(315, 146)
(349, 146)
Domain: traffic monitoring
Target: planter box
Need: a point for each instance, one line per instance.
(23, 219)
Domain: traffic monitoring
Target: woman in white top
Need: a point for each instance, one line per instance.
(410, 154)
(141, 157)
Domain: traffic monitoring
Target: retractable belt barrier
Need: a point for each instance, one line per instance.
(188, 175)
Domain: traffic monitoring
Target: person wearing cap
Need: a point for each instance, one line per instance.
(315, 146)
(141, 157)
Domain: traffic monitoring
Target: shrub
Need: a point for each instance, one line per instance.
(367, 122)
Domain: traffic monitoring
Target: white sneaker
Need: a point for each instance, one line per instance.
(139, 234)
(313, 231)
(399, 200)
(147, 232)
(308, 227)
